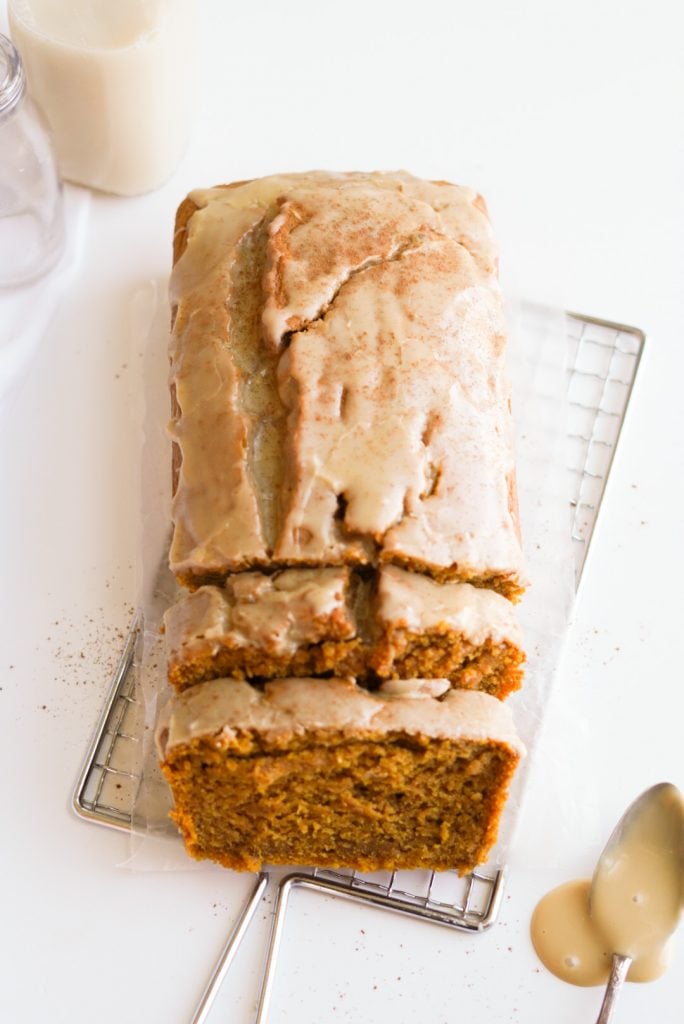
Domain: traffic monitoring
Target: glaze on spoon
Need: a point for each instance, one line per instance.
(631, 906)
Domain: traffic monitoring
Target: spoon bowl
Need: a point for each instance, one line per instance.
(637, 891)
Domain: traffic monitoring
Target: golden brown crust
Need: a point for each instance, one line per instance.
(184, 215)
(193, 580)
(504, 584)
(180, 232)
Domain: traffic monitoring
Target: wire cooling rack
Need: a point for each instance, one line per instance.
(110, 775)
(602, 363)
(603, 360)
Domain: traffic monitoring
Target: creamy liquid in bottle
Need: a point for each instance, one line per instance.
(112, 78)
(636, 901)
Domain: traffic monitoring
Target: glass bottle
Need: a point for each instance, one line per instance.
(31, 212)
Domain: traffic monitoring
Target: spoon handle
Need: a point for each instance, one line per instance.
(618, 973)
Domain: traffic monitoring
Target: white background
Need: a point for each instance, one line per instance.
(569, 119)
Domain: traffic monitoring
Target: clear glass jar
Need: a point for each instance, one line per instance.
(31, 212)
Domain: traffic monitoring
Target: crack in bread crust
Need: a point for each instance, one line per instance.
(258, 399)
(402, 249)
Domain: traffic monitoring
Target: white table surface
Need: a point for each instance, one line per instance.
(570, 122)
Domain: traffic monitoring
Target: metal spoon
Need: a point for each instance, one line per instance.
(637, 892)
